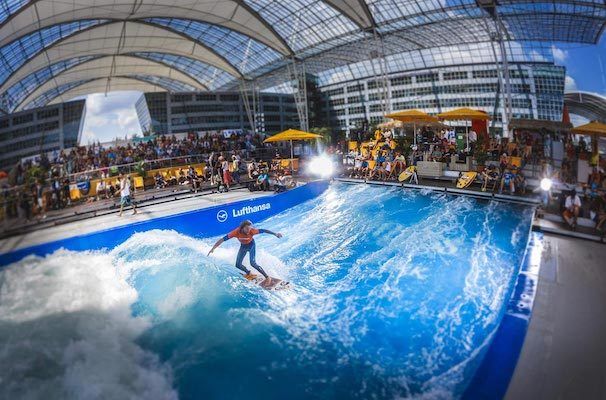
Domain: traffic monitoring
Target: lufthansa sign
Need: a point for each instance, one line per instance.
(222, 216)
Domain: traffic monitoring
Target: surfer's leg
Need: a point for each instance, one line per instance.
(241, 253)
(253, 262)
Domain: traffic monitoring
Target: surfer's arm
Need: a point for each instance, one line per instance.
(218, 243)
(278, 235)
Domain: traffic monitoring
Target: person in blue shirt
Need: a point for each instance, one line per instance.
(508, 180)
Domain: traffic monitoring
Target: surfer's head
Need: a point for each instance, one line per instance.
(245, 226)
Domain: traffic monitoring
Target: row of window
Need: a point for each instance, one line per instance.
(430, 77)
(29, 143)
(28, 130)
(212, 119)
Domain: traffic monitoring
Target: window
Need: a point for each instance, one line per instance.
(180, 98)
(430, 77)
(401, 80)
(491, 73)
(455, 75)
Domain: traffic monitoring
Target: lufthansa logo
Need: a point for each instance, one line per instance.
(222, 216)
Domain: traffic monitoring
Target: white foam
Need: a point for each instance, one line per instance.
(67, 331)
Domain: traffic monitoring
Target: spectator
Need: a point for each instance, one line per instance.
(572, 208)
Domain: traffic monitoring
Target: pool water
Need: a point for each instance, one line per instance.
(396, 294)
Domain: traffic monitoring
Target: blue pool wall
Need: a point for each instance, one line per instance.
(206, 222)
(494, 374)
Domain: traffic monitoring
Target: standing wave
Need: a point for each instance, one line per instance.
(395, 295)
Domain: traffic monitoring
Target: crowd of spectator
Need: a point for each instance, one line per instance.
(500, 164)
(35, 186)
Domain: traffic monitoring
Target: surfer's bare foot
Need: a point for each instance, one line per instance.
(250, 276)
(266, 282)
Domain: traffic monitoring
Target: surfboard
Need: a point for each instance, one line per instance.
(407, 173)
(466, 179)
(276, 284)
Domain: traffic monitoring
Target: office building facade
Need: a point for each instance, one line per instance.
(40, 130)
(168, 113)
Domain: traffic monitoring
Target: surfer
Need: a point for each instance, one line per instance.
(244, 233)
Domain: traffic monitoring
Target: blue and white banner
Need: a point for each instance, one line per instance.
(207, 222)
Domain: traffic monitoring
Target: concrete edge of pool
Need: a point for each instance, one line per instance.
(496, 369)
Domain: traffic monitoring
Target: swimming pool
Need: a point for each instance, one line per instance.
(396, 294)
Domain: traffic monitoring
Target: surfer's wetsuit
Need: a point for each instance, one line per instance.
(247, 245)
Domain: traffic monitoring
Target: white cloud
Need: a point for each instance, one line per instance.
(559, 55)
(110, 116)
(570, 84)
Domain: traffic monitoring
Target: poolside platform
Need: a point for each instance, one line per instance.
(106, 218)
(564, 352)
(549, 223)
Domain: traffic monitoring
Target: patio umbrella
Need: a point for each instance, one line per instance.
(461, 114)
(414, 116)
(594, 128)
(289, 135)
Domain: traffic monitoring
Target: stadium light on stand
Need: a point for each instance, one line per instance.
(321, 166)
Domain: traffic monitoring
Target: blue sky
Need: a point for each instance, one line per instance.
(113, 115)
(585, 65)
(110, 116)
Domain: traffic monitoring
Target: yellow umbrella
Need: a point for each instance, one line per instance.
(460, 114)
(414, 116)
(464, 113)
(595, 129)
(291, 134)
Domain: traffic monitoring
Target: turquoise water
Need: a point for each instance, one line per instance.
(395, 294)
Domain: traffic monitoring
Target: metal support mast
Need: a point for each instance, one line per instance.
(381, 76)
(250, 96)
(296, 71)
(498, 36)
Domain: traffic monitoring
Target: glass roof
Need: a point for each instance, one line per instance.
(49, 95)
(206, 74)
(303, 23)
(244, 53)
(434, 57)
(168, 84)
(8, 7)
(415, 33)
(20, 90)
(15, 54)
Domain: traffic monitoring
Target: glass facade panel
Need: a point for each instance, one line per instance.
(20, 90)
(204, 73)
(244, 53)
(17, 53)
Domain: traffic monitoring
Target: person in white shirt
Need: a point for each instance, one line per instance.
(101, 189)
(572, 208)
(125, 195)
